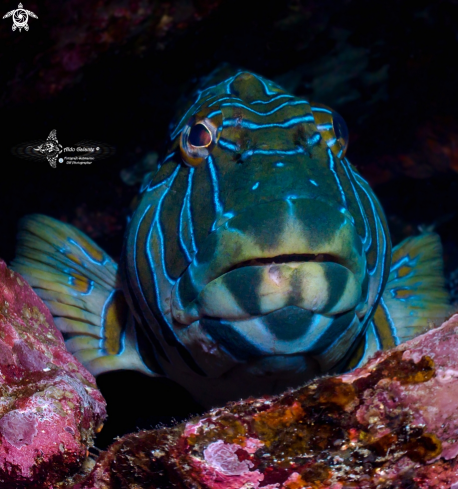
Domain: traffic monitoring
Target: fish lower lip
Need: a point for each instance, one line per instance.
(288, 331)
(254, 290)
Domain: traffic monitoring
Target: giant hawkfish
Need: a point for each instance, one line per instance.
(257, 257)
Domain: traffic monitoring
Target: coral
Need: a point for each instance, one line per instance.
(50, 407)
(390, 424)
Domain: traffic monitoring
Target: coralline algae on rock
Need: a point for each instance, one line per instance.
(50, 407)
(391, 424)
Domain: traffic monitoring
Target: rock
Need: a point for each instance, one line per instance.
(391, 424)
(74, 35)
(50, 407)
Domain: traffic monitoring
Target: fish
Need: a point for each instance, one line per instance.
(256, 259)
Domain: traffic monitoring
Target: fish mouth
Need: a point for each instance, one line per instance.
(285, 280)
(295, 305)
(304, 253)
(260, 286)
(283, 259)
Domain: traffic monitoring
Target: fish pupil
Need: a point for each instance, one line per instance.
(199, 136)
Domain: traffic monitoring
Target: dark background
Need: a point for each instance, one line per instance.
(113, 72)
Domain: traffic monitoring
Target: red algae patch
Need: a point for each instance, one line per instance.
(50, 407)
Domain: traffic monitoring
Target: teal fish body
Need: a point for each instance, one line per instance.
(260, 253)
(256, 259)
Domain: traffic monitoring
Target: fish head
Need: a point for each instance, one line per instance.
(257, 242)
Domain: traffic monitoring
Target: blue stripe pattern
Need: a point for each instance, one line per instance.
(267, 145)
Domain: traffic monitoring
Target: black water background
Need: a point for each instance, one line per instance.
(128, 102)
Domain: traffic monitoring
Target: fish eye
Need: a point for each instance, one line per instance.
(200, 136)
(340, 129)
(197, 140)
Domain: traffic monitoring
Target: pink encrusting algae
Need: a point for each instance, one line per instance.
(50, 407)
(390, 424)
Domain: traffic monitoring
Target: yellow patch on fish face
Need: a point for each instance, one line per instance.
(114, 322)
(383, 328)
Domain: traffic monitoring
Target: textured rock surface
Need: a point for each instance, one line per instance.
(50, 407)
(76, 33)
(391, 424)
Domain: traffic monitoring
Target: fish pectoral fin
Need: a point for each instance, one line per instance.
(79, 283)
(415, 296)
(98, 359)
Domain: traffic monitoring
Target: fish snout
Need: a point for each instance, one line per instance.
(281, 278)
(304, 251)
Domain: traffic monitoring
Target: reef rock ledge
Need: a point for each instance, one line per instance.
(50, 407)
(391, 424)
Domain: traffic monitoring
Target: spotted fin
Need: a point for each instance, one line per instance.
(79, 283)
(415, 297)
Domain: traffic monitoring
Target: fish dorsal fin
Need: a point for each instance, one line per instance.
(415, 297)
(79, 283)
